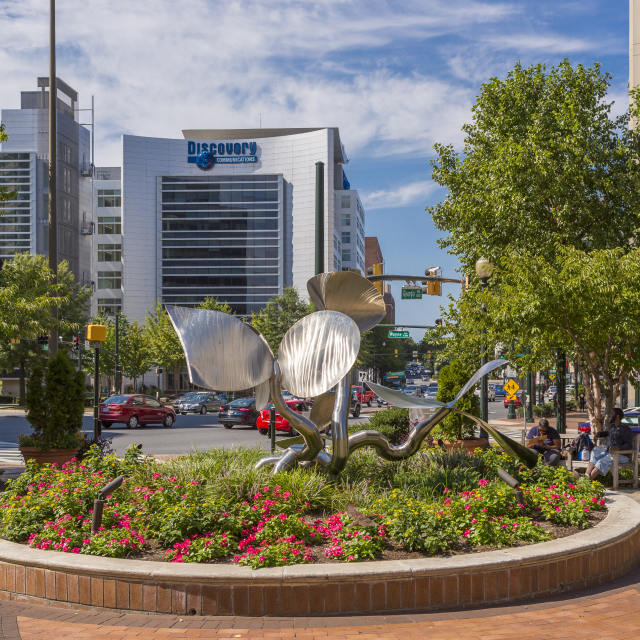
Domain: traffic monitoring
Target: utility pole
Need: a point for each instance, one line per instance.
(561, 393)
(53, 186)
(319, 217)
(117, 388)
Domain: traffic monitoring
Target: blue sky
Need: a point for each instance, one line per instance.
(396, 77)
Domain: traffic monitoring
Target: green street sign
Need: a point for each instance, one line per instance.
(45, 347)
(411, 293)
(398, 334)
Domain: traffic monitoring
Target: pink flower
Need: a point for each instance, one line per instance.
(482, 483)
(558, 509)
(466, 533)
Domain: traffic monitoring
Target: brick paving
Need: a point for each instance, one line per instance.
(604, 612)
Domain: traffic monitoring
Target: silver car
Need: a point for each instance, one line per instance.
(200, 403)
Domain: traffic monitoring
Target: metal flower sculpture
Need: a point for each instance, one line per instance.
(316, 355)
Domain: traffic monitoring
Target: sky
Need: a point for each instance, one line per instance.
(395, 77)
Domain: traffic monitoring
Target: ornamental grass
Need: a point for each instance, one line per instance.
(214, 506)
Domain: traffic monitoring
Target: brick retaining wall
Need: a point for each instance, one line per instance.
(84, 582)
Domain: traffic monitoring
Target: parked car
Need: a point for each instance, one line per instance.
(201, 403)
(178, 401)
(517, 402)
(135, 410)
(282, 424)
(364, 394)
(491, 394)
(499, 391)
(239, 412)
(552, 392)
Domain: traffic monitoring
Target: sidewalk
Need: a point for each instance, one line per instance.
(603, 612)
(573, 419)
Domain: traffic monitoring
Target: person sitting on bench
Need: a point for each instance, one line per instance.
(545, 440)
(620, 438)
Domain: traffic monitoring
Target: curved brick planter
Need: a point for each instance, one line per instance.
(85, 582)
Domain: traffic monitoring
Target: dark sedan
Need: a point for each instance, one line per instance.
(239, 412)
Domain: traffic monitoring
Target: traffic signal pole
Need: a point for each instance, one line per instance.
(96, 393)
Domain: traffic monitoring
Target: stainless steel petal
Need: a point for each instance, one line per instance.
(348, 293)
(263, 394)
(322, 410)
(222, 352)
(399, 399)
(528, 456)
(317, 352)
(316, 287)
(482, 371)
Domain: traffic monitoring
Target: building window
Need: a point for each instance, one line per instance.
(110, 306)
(346, 237)
(65, 152)
(109, 225)
(109, 198)
(335, 263)
(66, 179)
(109, 252)
(65, 210)
(346, 202)
(346, 255)
(109, 279)
(346, 219)
(65, 241)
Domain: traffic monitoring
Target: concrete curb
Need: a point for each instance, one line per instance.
(73, 581)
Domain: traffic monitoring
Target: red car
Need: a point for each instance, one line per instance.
(282, 424)
(516, 403)
(135, 410)
(365, 396)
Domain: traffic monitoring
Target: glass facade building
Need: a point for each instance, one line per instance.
(17, 174)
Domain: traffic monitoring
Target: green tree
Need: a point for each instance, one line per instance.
(25, 310)
(135, 352)
(279, 315)
(543, 164)
(213, 304)
(5, 194)
(164, 344)
(456, 427)
(55, 404)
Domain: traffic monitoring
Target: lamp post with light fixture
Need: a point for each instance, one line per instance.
(484, 270)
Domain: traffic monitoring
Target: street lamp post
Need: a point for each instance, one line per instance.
(484, 269)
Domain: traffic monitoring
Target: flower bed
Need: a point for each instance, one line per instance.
(214, 507)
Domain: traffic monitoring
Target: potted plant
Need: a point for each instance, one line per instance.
(55, 408)
(457, 431)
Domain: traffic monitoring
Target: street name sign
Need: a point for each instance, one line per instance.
(511, 387)
(411, 293)
(398, 334)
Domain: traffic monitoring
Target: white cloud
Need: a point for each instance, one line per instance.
(402, 196)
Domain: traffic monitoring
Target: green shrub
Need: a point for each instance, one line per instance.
(392, 423)
(456, 427)
(55, 404)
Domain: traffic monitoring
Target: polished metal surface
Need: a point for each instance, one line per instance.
(339, 425)
(482, 371)
(388, 451)
(528, 456)
(399, 399)
(348, 293)
(306, 428)
(222, 352)
(322, 410)
(263, 395)
(317, 352)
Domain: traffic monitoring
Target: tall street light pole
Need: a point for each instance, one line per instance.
(53, 191)
(484, 269)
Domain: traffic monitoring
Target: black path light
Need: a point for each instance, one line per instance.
(98, 503)
(514, 484)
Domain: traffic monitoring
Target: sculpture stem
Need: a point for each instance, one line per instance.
(339, 425)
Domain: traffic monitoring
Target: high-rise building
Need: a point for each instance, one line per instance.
(24, 168)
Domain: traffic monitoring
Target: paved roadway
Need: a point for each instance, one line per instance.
(189, 433)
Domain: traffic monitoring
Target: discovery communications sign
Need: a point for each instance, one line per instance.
(206, 154)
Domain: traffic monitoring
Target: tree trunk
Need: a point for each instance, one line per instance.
(575, 381)
(23, 386)
(142, 387)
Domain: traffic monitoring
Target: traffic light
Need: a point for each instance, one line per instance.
(158, 371)
(76, 344)
(396, 353)
(439, 322)
(15, 340)
(433, 287)
(377, 270)
(43, 340)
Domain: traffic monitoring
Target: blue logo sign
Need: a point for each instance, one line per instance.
(205, 154)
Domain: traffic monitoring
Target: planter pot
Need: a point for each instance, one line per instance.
(467, 445)
(53, 455)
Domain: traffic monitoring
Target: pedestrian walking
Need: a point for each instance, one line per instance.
(583, 401)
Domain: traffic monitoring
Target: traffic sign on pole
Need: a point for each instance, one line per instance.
(398, 334)
(552, 377)
(511, 387)
(512, 397)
